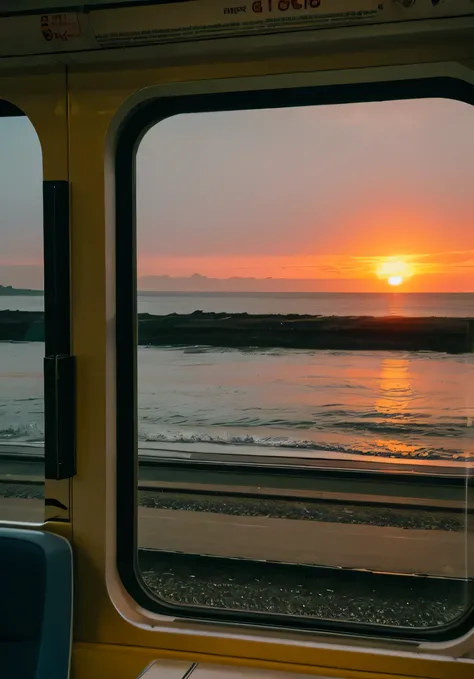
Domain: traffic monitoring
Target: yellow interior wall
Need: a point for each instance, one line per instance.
(72, 117)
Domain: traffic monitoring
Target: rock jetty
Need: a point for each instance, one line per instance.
(451, 335)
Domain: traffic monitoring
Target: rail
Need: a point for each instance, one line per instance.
(332, 482)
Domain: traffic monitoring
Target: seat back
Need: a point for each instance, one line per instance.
(35, 605)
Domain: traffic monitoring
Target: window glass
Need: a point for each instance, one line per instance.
(305, 365)
(21, 322)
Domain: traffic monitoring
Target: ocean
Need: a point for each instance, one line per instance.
(395, 405)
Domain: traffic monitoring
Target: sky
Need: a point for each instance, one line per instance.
(329, 198)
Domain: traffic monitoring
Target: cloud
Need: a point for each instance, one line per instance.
(200, 283)
(449, 271)
(428, 263)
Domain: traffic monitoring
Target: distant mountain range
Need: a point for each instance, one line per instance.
(9, 291)
(199, 283)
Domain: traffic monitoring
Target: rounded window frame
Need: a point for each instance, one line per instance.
(131, 131)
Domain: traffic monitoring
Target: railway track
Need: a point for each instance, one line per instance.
(369, 484)
(379, 517)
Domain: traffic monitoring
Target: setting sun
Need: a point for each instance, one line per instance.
(394, 270)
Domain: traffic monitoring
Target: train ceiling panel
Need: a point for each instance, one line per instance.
(13, 7)
(65, 29)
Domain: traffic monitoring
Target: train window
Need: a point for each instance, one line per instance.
(21, 325)
(303, 293)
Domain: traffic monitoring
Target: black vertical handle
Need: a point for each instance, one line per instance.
(56, 268)
(59, 416)
(59, 365)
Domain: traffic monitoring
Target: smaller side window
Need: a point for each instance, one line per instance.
(21, 322)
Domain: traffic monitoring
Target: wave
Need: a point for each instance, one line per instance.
(23, 432)
(357, 446)
(414, 424)
(450, 430)
(391, 449)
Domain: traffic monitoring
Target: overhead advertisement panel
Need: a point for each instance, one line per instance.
(194, 20)
(205, 19)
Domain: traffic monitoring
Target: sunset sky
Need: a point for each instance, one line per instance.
(320, 198)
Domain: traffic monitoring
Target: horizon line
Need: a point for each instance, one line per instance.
(236, 293)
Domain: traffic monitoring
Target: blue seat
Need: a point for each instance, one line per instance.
(35, 605)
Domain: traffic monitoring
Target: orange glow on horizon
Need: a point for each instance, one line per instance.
(424, 271)
(394, 270)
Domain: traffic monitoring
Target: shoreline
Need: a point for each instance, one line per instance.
(286, 331)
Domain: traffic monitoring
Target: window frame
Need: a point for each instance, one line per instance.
(131, 131)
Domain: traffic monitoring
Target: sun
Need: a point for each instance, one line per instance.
(394, 270)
